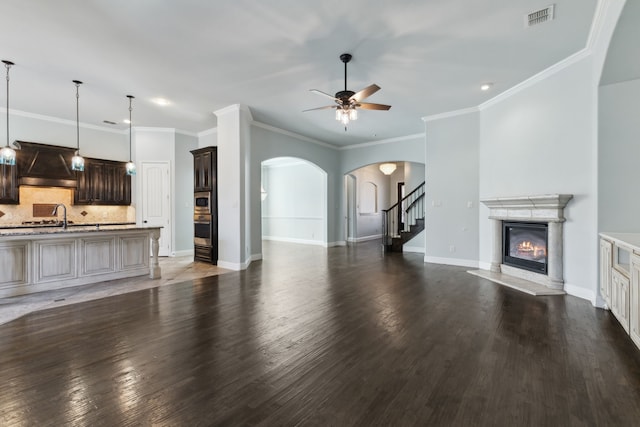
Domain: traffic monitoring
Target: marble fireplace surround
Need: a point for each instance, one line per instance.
(549, 209)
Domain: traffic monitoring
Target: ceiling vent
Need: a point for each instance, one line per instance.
(539, 16)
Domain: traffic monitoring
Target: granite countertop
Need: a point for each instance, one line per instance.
(59, 224)
(75, 228)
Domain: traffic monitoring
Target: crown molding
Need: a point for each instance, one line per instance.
(448, 114)
(292, 134)
(383, 141)
(542, 75)
(207, 132)
(598, 22)
(158, 130)
(62, 121)
(234, 108)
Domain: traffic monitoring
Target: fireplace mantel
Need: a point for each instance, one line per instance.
(543, 208)
(547, 208)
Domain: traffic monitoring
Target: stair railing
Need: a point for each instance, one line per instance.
(402, 215)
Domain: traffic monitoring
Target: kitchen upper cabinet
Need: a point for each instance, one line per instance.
(103, 182)
(204, 168)
(9, 193)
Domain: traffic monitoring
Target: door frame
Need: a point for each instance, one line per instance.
(167, 229)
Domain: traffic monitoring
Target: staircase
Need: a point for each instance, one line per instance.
(403, 221)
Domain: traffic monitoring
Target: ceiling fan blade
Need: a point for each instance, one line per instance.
(364, 93)
(319, 92)
(320, 108)
(370, 106)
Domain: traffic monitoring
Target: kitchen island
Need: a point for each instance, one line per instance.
(44, 258)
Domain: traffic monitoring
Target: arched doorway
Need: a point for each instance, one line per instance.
(293, 201)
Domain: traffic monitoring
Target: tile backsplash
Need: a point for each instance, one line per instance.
(15, 214)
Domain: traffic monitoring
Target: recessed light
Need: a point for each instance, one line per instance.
(127, 121)
(486, 86)
(161, 101)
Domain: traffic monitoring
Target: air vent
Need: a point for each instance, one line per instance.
(540, 16)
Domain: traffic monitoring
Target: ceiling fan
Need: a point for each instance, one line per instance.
(347, 101)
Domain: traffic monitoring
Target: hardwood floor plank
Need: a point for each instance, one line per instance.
(315, 336)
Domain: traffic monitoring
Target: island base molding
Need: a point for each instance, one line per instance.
(39, 262)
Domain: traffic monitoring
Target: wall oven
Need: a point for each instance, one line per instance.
(202, 229)
(202, 203)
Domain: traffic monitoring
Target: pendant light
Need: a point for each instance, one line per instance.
(7, 154)
(77, 162)
(131, 167)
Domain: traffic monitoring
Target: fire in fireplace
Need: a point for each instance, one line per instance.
(525, 245)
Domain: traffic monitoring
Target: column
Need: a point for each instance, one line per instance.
(233, 158)
(496, 250)
(154, 271)
(554, 256)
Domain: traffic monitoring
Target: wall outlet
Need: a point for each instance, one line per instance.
(469, 204)
(452, 248)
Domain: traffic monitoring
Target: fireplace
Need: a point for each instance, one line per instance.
(532, 228)
(525, 245)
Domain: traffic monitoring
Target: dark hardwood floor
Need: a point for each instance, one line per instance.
(327, 337)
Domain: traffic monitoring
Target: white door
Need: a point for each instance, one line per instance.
(156, 201)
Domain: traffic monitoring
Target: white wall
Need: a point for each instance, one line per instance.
(540, 141)
(268, 143)
(618, 155)
(182, 189)
(407, 149)
(295, 207)
(414, 175)
(368, 218)
(452, 176)
(95, 141)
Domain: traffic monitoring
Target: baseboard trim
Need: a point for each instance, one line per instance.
(451, 261)
(334, 244)
(364, 238)
(413, 249)
(580, 292)
(255, 257)
(186, 252)
(234, 265)
(293, 240)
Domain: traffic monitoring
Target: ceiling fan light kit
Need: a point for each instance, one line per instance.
(347, 101)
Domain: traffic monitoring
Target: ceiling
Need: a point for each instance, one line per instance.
(428, 56)
(623, 56)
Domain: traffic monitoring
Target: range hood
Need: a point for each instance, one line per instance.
(45, 165)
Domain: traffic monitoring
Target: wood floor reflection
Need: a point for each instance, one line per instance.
(315, 336)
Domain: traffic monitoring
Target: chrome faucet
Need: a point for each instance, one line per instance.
(55, 212)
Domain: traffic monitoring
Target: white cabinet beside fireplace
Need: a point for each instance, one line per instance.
(634, 300)
(620, 279)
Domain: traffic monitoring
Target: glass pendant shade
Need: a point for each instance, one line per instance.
(346, 114)
(131, 168)
(7, 154)
(77, 163)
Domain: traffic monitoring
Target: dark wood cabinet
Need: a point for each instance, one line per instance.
(103, 182)
(205, 186)
(204, 168)
(9, 193)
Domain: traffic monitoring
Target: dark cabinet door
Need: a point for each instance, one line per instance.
(103, 182)
(9, 193)
(202, 171)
